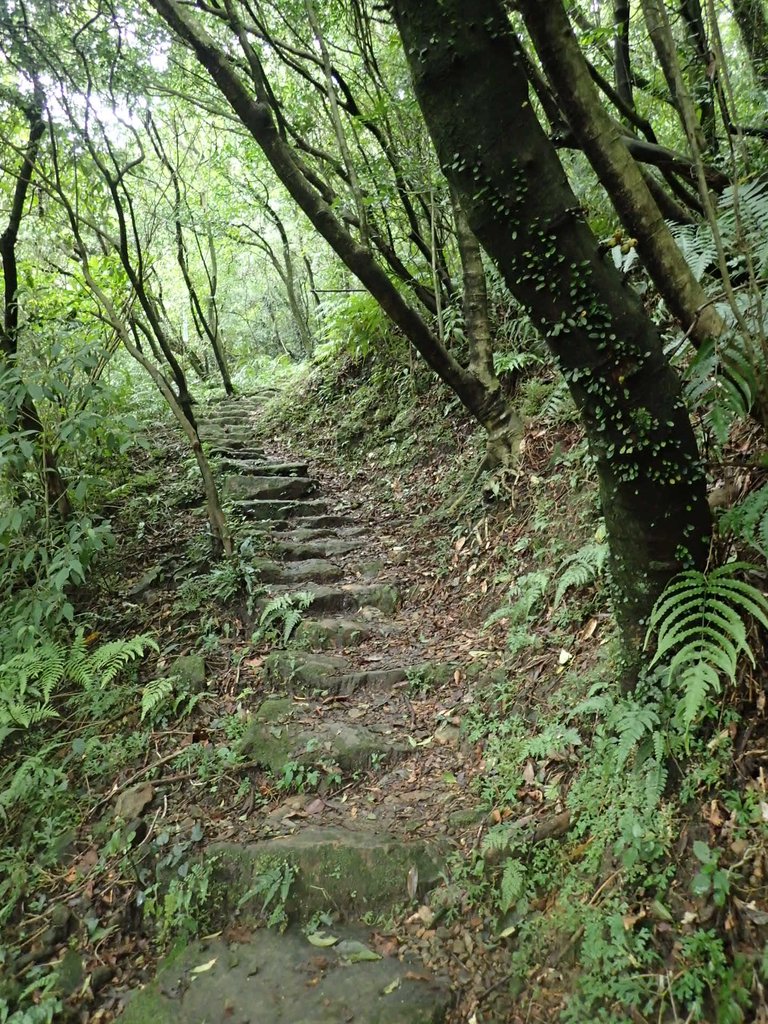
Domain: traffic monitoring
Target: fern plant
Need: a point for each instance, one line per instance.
(281, 615)
(29, 679)
(748, 521)
(700, 626)
(583, 567)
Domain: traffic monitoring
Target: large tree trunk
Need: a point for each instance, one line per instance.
(753, 25)
(490, 408)
(470, 82)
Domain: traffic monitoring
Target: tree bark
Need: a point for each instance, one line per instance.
(601, 139)
(622, 67)
(753, 27)
(27, 417)
(470, 82)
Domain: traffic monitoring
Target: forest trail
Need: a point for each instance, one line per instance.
(354, 703)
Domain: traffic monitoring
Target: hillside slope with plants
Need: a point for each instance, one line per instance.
(383, 511)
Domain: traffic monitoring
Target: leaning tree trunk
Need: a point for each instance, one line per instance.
(471, 85)
(250, 100)
(27, 418)
(478, 329)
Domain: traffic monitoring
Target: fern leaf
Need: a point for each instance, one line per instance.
(156, 693)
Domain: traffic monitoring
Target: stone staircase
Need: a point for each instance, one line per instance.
(319, 715)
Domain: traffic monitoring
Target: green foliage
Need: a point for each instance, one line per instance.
(524, 597)
(30, 678)
(700, 624)
(583, 567)
(281, 615)
(353, 323)
(748, 521)
(180, 909)
(271, 886)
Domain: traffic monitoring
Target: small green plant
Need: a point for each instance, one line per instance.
(525, 595)
(584, 566)
(281, 615)
(180, 910)
(271, 886)
(710, 880)
(30, 678)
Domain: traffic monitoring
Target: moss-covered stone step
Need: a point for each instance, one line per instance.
(322, 547)
(281, 734)
(308, 672)
(278, 509)
(226, 418)
(336, 528)
(267, 488)
(285, 979)
(336, 632)
(240, 449)
(291, 574)
(349, 597)
(349, 872)
(330, 524)
(262, 467)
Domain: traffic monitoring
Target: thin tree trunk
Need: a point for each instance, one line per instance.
(27, 418)
(470, 83)
(604, 146)
(622, 67)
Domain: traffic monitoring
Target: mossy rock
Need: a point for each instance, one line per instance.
(352, 873)
(284, 979)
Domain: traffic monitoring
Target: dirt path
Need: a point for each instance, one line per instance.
(355, 699)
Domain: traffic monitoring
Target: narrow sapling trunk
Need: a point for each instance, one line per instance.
(470, 82)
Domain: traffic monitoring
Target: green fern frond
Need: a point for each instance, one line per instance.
(107, 661)
(700, 626)
(631, 723)
(748, 521)
(155, 693)
(581, 568)
(513, 884)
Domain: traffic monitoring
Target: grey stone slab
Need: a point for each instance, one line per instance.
(284, 979)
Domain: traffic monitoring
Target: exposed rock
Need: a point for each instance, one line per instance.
(190, 670)
(351, 872)
(284, 979)
(279, 509)
(267, 488)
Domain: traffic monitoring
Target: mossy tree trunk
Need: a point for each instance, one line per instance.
(470, 81)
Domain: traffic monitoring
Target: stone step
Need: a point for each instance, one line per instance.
(279, 510)
(283, 732)
(351, 872)
(338, 632)
(258, 467)
(238, 449)
(323, 547)
(348, 597)
(307, 672)
(236, 418)
(291, 574)
(267, 488)
(274, 978)
(329, 525)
